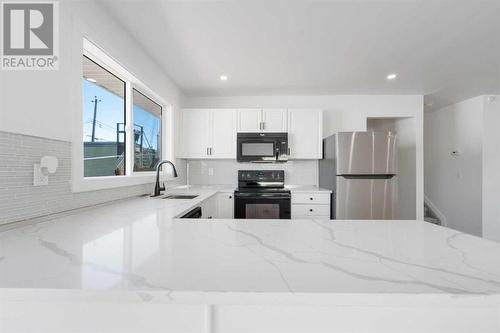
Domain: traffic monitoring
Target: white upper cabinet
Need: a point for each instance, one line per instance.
(274, 120)
(305, 133)
(249, 120)
(208, 133)
(223, 128)
(211, 133)
(195, 133)
(262, 120)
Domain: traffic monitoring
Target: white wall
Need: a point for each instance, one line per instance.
(454, 183)
(46, 104)
(491, 168)
(341, 113)
(41, 103)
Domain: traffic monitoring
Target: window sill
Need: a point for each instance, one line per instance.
(109, 182)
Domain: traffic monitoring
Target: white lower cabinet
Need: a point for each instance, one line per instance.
(209, 208)
(311, 205)
(225, 205)
(218, 206)
(311, 210)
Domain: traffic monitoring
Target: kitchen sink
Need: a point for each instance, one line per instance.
(180, 196)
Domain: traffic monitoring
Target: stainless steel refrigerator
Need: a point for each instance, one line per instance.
(360, 169)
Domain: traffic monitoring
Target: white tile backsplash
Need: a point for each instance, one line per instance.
(225, 172)
(20, 200)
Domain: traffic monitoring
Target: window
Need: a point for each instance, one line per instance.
(147, 132)
(124, 126)
(103, 122)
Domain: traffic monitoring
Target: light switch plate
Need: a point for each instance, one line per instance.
(39, 178)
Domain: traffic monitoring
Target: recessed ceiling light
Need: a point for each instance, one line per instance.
(223, 77)
(392, 76)
(91, 79)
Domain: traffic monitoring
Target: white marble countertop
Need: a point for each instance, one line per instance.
(136, 245)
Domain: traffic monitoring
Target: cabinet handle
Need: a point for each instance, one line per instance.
(211, 152)
(289, 151)
(260, 125)
(263, 125)
(310, 198)
(208, 151)
(310, 209)
(230, 197)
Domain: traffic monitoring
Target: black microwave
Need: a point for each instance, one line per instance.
(262, 147)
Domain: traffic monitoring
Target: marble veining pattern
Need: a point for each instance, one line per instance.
(137, 245)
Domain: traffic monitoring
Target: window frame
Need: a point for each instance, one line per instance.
(160, 143)
(125, 101)
(79, 182)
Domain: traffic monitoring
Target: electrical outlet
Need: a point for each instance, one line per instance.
(39, 178)
(210, 171)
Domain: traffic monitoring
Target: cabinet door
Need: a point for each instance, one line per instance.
(249, 120)
(275, 120)
(209, 208)
(195, 133)
(305, 133)
(223, 133)
(225, 206)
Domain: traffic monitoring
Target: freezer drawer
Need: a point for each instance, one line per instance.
(365, 199)
(365, 153)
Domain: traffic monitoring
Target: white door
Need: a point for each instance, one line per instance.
(195, 133)
(225, 206)
(305, 133)
(223, 128)
(275, 120)
(249, 120)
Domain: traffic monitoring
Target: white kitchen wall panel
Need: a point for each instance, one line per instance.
(225, 172)
(20, 200)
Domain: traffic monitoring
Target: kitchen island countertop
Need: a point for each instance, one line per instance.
(137, 246)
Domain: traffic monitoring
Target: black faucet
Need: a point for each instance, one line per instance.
(159, 188)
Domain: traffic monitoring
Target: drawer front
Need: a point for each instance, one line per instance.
(310, 210)
(311, 198)
(320, 217)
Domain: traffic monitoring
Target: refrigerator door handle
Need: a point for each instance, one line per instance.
(388, 176)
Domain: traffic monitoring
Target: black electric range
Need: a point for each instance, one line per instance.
(261, 194)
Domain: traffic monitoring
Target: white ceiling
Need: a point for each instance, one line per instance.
(446, 49)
